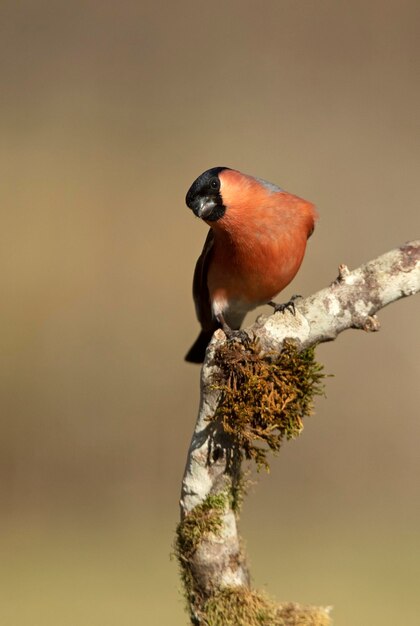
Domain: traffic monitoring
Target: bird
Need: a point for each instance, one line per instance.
(253, 250)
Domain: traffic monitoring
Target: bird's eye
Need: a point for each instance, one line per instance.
(214, 183)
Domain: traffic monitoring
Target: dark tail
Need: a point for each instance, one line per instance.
(197, 351)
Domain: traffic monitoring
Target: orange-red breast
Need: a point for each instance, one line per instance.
(254, 247)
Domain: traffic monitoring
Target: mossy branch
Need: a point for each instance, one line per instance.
(264, 397)
(254, 394)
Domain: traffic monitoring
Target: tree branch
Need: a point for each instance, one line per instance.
(214, 560)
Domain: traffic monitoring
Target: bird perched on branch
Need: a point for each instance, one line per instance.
(253, 250)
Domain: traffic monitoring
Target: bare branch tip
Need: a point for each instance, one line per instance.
(343, 272)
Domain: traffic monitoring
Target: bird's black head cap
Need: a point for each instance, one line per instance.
(204, 197)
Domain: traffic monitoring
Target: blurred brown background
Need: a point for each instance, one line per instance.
(109, 110)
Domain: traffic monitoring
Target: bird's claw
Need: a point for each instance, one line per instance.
(236, 335)
(285, 306)
(230, 333)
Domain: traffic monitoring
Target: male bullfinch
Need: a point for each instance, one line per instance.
(254, 247)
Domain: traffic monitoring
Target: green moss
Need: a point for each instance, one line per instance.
(234, 606)
(238, 606)
(265, 398)
(239, 487)
(205, 518)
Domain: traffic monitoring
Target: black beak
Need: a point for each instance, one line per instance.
(203, 207)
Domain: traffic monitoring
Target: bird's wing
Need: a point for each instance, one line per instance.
(200, 288)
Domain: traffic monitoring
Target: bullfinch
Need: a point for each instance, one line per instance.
(254, 248)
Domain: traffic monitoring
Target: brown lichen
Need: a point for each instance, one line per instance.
(264, 397)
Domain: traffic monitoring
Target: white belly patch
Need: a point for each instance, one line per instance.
(233, 312)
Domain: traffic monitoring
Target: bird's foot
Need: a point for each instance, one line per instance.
(285, 306)
(236, 335)
(231, 334)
